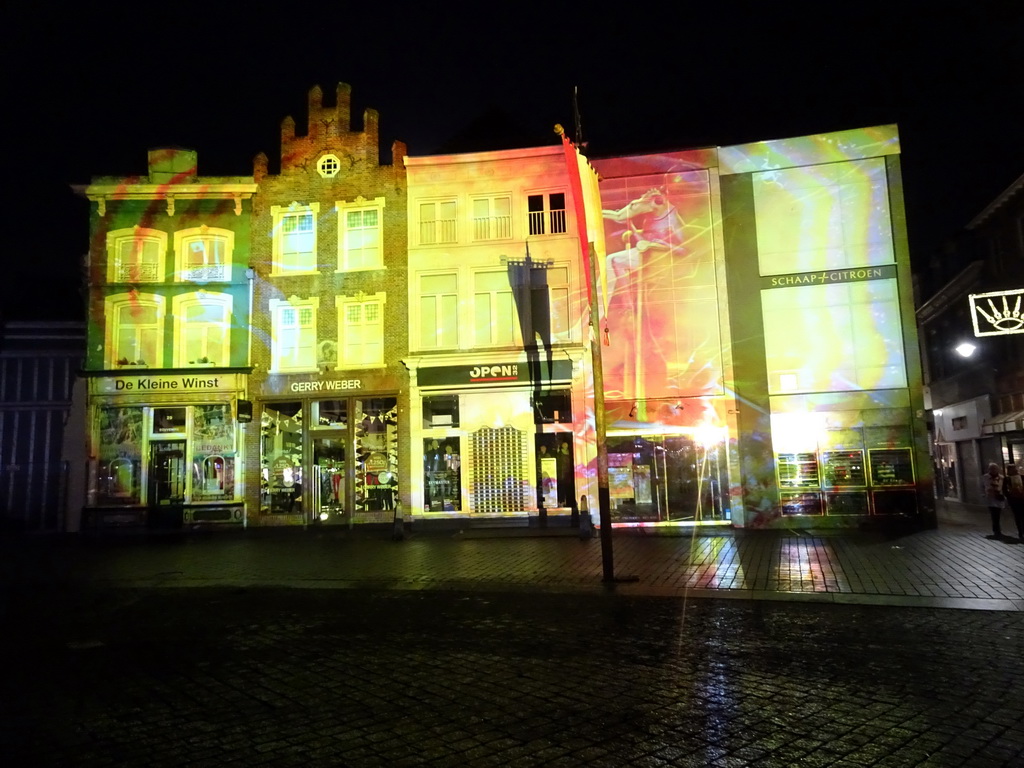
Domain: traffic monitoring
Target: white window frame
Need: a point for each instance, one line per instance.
(442, 231)
(360, 357)
(493, 225)
(113, 306)
(119, 272)
(210, 271)
(278, 310)
(549, 221)
(279, 213)
(179, 308)
(559, 295)
(422, 324)
(493, 299)
(346, 236)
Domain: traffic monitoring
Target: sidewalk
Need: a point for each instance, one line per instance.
(953, 567)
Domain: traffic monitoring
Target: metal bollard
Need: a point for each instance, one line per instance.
(586, 524)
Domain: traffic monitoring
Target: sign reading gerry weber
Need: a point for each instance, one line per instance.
(496, 373)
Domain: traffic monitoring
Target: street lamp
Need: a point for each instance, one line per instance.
(965, 349)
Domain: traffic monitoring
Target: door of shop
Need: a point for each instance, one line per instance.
(330, 504)
(166, 487)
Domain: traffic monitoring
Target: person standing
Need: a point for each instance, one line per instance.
(992, 484)
(1013, 491)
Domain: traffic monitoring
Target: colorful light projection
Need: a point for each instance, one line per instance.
(830, 336)
(660, 288)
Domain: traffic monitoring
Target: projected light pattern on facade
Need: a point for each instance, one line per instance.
(661, 293)
(417, 336)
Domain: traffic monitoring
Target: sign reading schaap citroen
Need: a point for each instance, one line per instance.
(998, 313)
(496, 373)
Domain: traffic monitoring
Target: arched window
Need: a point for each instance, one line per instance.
(202, 332)
(135, 255)
(134, 332)
(203, 254)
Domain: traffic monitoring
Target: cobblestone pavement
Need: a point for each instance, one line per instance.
(215, 676)
(961, 568)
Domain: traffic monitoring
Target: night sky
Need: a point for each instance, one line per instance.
(88, 92)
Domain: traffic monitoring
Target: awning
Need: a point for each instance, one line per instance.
(1003, 422)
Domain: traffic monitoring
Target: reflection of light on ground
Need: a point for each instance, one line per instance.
(801, 570)
(714, 563)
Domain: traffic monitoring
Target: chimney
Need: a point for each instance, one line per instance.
(316, 101)
(344, 108)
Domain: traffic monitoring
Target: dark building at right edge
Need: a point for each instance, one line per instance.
(971, 318)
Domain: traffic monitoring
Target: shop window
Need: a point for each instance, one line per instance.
(281, 481)
(203, 254)
(547, 213)
(440, 411)
(362, 330)
(213, 478)
(293, 334)
(331, 414)
(891, 467)
(496, 320)
(492, 218)
(169, 421)
(438, 222)
(552, 407)
(202, 332)
(135, 255)
(442, 475)
(376, 466)
(295, 237)
(119, 454)
(359, 242)
(439, 322)
(134, 330)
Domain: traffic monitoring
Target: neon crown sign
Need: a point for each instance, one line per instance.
(994, 318)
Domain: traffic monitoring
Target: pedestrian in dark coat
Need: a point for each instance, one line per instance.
(992, 485)
(1013, 490)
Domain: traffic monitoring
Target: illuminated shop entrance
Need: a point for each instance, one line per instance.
(330, 462)
(666, 479)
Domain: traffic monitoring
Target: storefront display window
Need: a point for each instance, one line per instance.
(666, 479)
(120, 456)
(329, 414)
(891, 467)
(442, 475)
(376, 459)
(281, 432)
(169, 421)
(440, 411)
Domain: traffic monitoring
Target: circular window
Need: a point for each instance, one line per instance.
(328, 166)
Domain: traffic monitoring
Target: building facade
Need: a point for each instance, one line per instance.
(972, 328)
(763, 367)
(421, 338)
(330, 327)
(499, 346)
(42, 406)
(167, 356)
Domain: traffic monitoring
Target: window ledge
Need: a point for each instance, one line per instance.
(295, 274)
(342, 271)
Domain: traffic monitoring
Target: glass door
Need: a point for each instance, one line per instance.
(330, 504)
(167, 473)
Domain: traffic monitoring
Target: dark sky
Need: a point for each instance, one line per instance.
(88, 91)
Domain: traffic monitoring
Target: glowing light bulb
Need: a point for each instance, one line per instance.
(965, 349)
